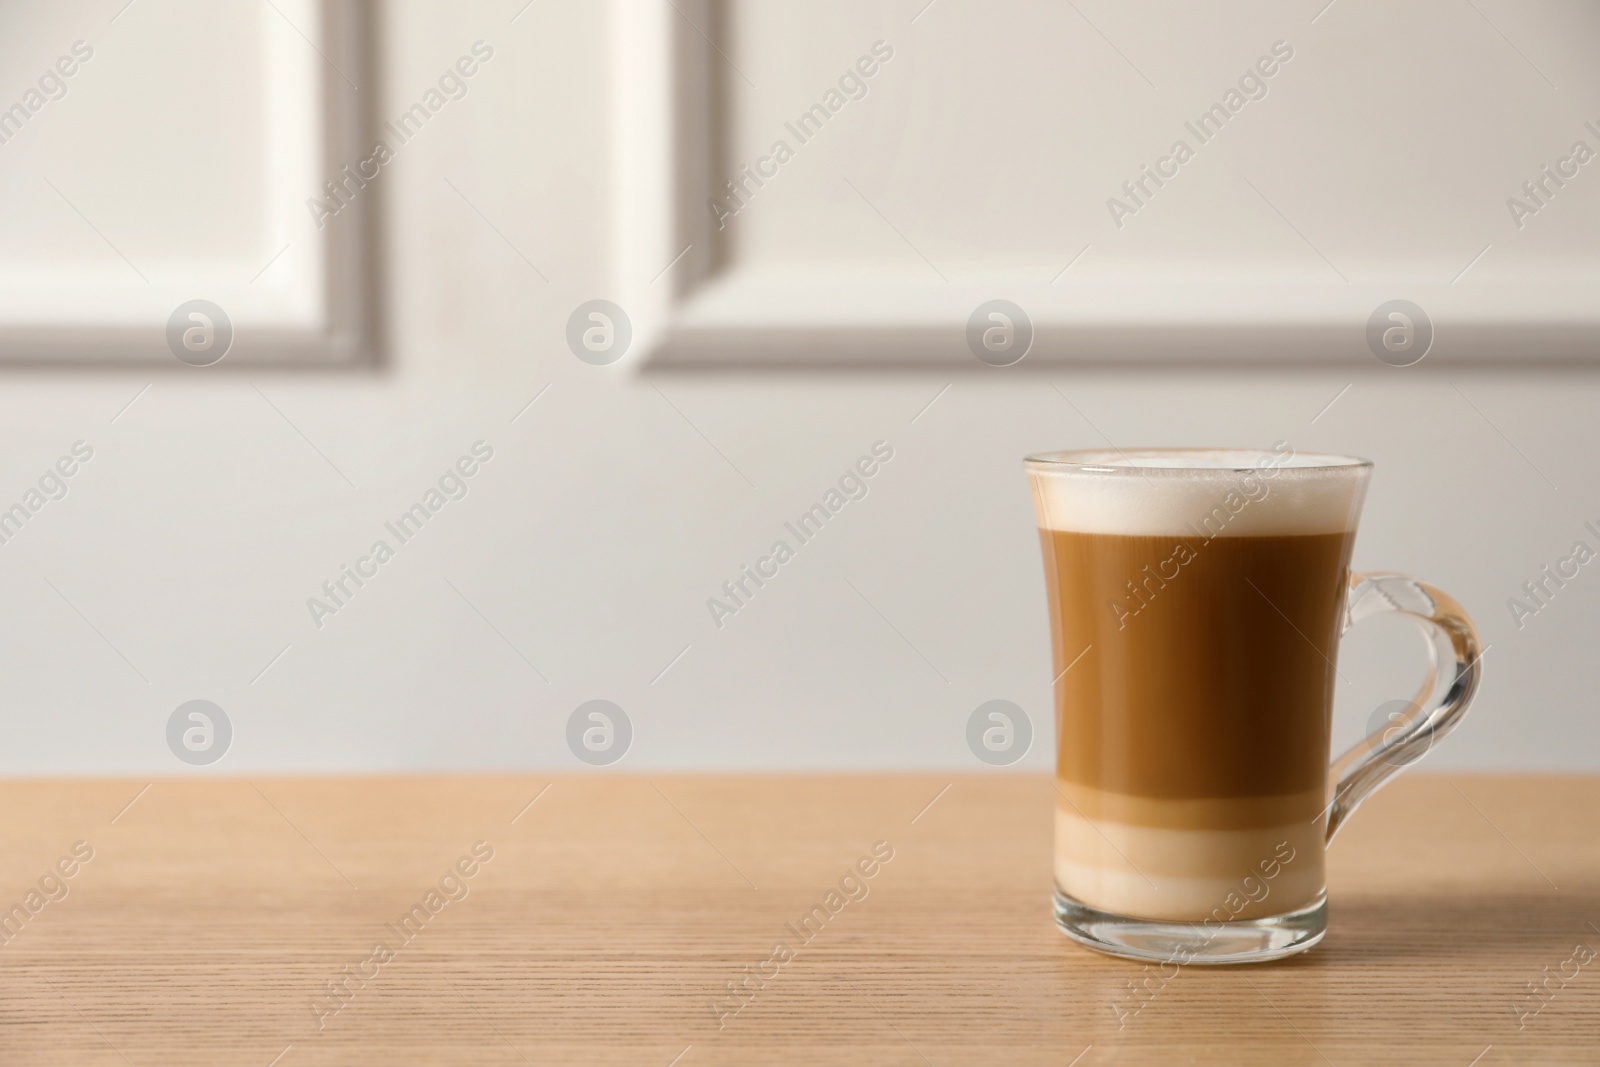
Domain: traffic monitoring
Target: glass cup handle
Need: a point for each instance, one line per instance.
(1453, 675)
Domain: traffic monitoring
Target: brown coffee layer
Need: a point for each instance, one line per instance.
(1209, 675)
(1100, 806)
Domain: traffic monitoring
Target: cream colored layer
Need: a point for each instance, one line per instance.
(1158, 873)
(1201, 504)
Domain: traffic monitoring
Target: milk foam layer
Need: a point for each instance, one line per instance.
(1198, 494)
(1188, 875)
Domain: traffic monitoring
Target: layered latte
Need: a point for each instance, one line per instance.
(1195, 624)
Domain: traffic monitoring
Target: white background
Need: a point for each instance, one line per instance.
(182, 558)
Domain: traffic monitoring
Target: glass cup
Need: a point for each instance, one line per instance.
(1197, 597)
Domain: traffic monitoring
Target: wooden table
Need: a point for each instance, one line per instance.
(615, 911)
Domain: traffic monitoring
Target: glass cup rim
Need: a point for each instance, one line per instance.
(1176, 462)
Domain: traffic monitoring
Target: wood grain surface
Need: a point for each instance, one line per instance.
(215, 914)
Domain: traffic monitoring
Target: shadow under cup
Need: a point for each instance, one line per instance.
(1196, 603)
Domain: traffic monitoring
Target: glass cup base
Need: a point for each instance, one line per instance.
(1157, 941)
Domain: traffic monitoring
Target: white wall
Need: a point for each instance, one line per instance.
(192, 540)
